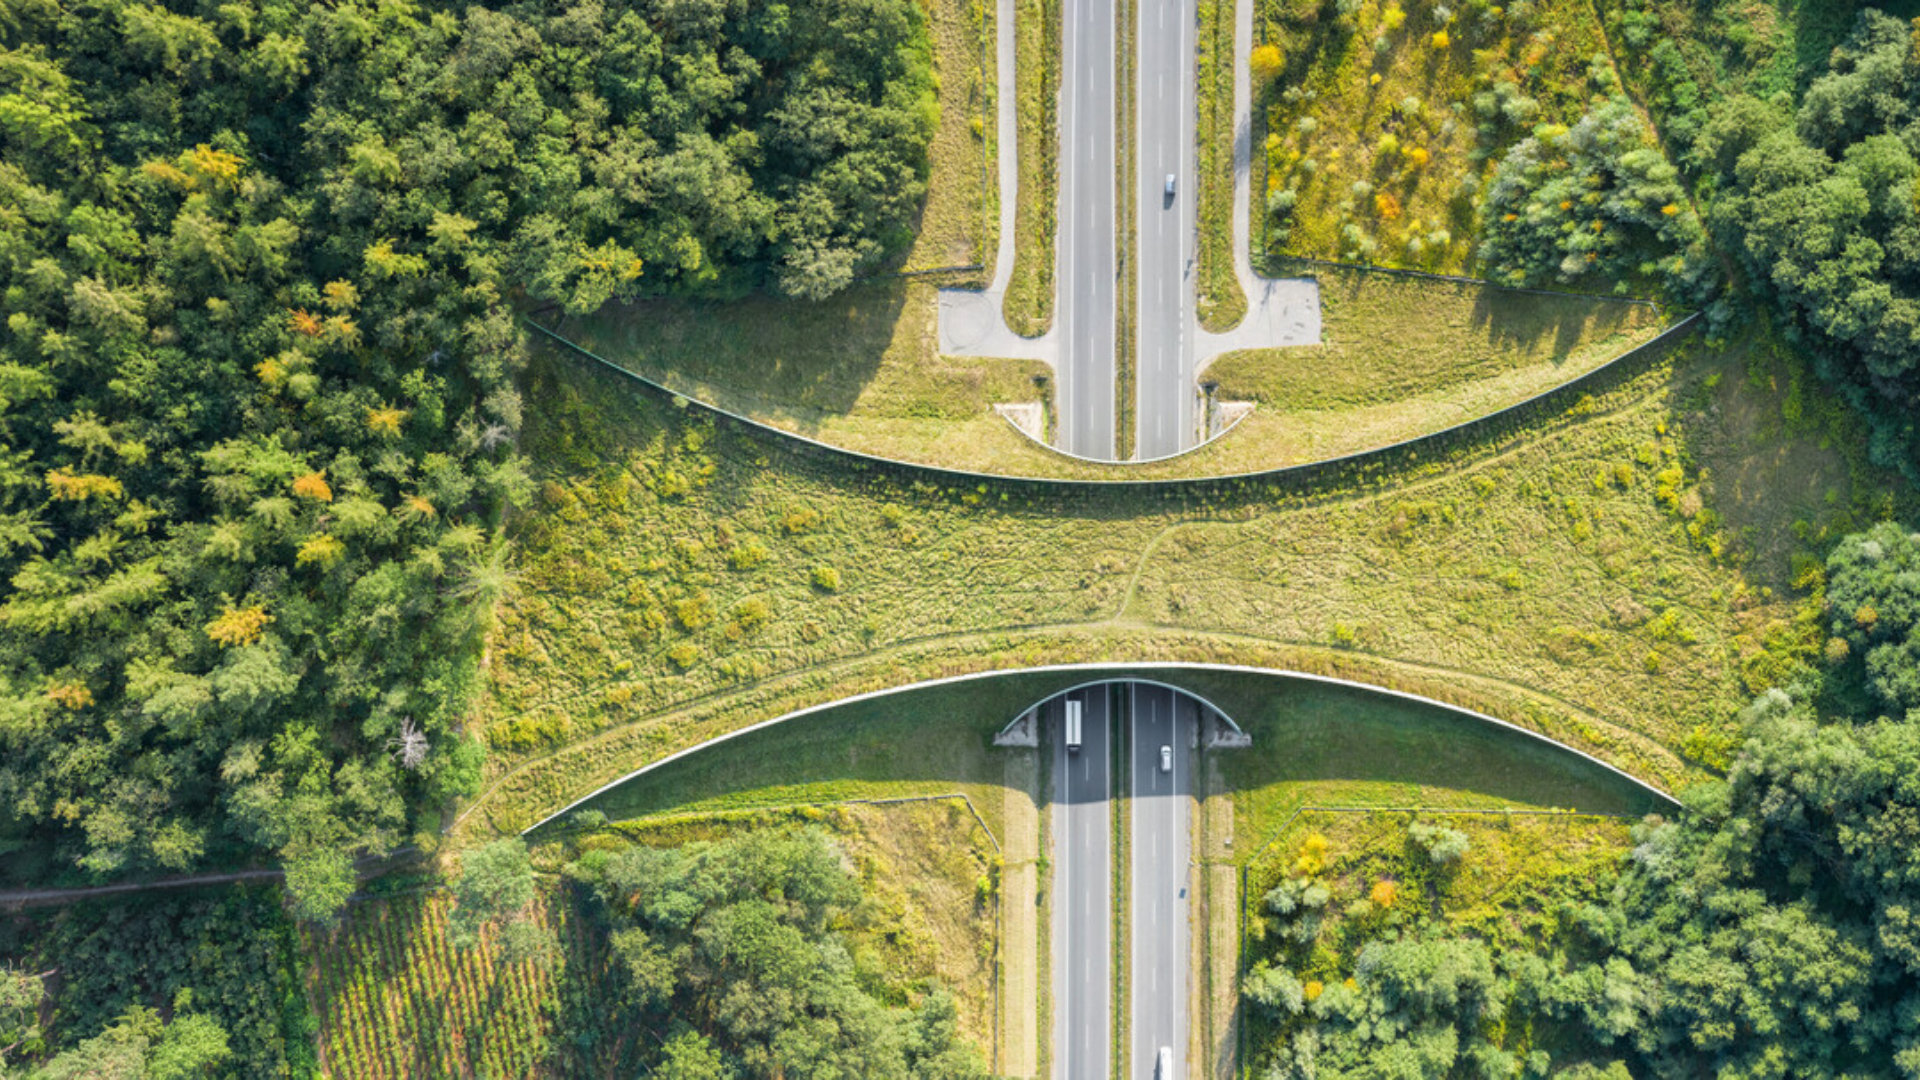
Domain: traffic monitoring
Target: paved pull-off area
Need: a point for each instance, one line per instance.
(1082, 891)
(1082, 346)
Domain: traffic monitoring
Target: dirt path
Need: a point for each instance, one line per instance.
(23, 898)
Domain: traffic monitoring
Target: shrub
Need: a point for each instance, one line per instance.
(826, 578)
(1265, 64)
(747, 555)
(1444, 847)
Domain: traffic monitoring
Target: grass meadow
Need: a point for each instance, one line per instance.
(1218, 301)
(1028, 306)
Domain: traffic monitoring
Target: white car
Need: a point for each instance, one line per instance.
(1169, 185)
(1166, 758)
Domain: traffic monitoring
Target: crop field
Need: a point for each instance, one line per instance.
(1609, 577)
(396, 1000)
(1378, 127)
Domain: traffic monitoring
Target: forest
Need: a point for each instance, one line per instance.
(262, 264)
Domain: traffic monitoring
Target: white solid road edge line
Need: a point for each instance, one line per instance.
(1119, 669)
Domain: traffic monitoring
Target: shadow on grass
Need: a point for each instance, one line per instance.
(756, 352)
(1522, 320)
(1367, 748)
(1380, 749)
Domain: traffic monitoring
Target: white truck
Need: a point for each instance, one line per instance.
(1073, 724)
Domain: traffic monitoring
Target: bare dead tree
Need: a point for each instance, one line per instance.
(410, 746)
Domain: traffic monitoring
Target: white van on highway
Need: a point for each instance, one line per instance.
(1163, 1069)
(1166, 758)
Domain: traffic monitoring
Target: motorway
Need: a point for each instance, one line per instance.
(1166, 407)
(1087, 270)
(1162, 809)
(1083, 893)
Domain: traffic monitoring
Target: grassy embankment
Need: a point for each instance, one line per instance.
(1028, 306)
(1384, 123)
(1619, 578)
(1219, 303)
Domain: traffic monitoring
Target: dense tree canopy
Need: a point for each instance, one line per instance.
(1818, 203)
(1595, 206)
(258, 263)
(731, 946)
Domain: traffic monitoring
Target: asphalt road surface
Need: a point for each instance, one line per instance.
(1165, 403)
(1087, 270)
(1082, 893)
(1162, 805)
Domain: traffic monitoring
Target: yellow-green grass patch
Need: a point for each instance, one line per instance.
(1517, 871)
